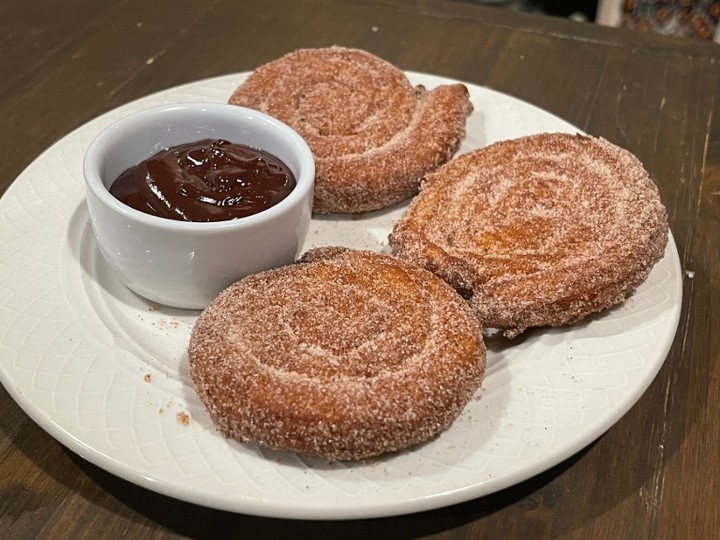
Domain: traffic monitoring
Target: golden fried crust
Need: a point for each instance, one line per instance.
(541, 230)
(372, 133)
(344, 355)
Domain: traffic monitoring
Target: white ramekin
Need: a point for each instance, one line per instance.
(184, 264)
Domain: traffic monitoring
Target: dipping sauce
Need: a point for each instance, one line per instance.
(208, 180)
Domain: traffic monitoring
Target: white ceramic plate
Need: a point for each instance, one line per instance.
(105, 373)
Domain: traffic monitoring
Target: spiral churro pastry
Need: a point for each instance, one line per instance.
(344, 355)
(541, 230)
(372, 133)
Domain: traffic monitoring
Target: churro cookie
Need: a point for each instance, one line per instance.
(372, 133)
(344, 355)
(540, 230)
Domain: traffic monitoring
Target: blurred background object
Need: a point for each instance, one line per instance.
(694, 19)
(691, 19)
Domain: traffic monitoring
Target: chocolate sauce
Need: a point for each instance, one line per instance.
(208, 180)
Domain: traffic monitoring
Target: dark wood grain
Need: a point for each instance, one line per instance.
(655, 474)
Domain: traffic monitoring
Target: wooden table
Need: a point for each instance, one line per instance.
(655, 474)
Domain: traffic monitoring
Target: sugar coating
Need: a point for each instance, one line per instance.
(540, 230)
(373, 134)
(344, 355)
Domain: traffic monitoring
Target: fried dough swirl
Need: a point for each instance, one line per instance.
(540, 230)
(344, 355)
(373, 134)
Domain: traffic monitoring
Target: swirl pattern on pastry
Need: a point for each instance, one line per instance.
(344, 355)
(537, 231)
(372, 133)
